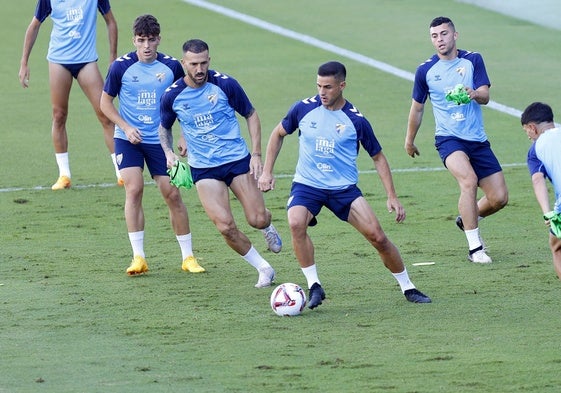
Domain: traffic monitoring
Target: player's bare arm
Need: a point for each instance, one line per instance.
(266, 180)
(413, 125)
(254, 128)
(166, 140)
(29, 40)
(385, 174)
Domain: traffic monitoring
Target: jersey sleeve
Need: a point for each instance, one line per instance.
(103, 6)
(480, 77)
(167, 114)
(114, 78)
(367, 138)
(420, 85)
(237, 98)
(291, 120)
(534, 163)
(43, 10)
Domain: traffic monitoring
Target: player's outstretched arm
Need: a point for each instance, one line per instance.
(266, 181)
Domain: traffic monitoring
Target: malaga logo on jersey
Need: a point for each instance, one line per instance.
(340, 128)
(461, 71)
(212, 98)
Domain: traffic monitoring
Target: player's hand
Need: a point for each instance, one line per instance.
(24, 76)
(182, 146)
(412, 150)
(394, 205)
(171, 158)
(266, 182)
(255, 166)
(133, 135)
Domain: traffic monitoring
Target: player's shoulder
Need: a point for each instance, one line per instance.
(220, 78)
(355, 115)
(127, 58)
(428, 63)
(122, 63)
(175, 88)
(306, 105)
(469, 55)
(167, 60)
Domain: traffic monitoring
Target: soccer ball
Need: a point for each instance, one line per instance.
(288, 299)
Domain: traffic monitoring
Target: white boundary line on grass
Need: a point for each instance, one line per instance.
(279, 176)
(327, 47)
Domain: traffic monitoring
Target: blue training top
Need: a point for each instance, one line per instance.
(140, 87)
(207, 116)
(329, 142)
(546, 159)
(73, 37)
(435, 77)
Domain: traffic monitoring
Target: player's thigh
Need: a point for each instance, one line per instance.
(170, 193)
(251, 198)
(60, 83)
(459, 166)
(134, 180)
(362, 217)
(215, 199)
(91, 83)
(494, 187)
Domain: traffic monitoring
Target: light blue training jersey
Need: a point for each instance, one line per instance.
(435, 77)
(140, 87)
(207, 116)
(329, 142)
(73, 37)
(548, 151)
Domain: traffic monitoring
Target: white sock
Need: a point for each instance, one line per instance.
(114, 160)
(63, 164)
(186, 245)
(473, 238)
(311, 274)
(403, 280)
(137, 243)
(254, 259)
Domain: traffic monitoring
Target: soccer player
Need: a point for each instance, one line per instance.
(72, 54)
(544, 161)
(331, 130)
(460, 136)
(139, 79)
(205, 103)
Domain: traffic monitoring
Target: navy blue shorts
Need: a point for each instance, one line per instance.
(313, 199)
(480, 155)
(75, 68)
(226, 172)
(129, 155)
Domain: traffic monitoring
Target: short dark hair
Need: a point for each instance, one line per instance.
(146, 26)
(537, 112)
(195, 46)
(333, 68)
(440, 20)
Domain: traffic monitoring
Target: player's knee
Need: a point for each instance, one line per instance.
(379, 240)
(59, 117)
(228, 230)
(500, 200)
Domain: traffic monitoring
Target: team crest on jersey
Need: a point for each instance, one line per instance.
(160, 76)
(461, 71)
(340, 128)
(212, 98)
(119, 158)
